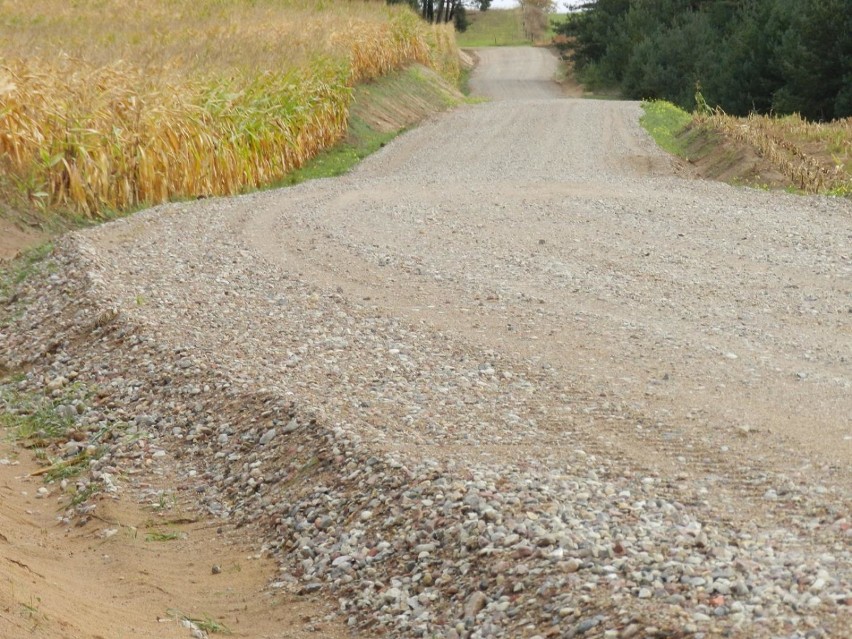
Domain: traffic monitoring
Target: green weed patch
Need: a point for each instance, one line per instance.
(665, 122)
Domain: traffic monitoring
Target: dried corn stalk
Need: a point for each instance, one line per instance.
(773, 138)
(237, 100)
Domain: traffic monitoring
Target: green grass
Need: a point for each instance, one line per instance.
(22, 268)
(163, 536)
(27, 416)
(494, 28)
(206, 623)
(464, 80)
(362, 141)
(15, 273)
(664, 121)
(31, 420)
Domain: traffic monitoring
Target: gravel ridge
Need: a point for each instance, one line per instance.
(433, 483)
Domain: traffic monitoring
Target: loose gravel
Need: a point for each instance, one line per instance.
(450, 389)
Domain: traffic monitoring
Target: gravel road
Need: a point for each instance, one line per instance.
(515, 376)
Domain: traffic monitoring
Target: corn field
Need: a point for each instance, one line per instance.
(816, 157)
(108, 105)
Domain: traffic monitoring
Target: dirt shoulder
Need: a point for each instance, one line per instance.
(14, 239)
(133, 570)
(711, 155)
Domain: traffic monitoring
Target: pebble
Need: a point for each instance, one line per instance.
(474, 604)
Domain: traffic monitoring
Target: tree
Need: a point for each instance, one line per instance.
(761, 55)
(670, 61)
(594, 29)
(460, 21)
(536, 14)
(814, 56)
(748, 74)
(436, 11)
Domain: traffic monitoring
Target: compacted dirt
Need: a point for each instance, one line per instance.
(115, 577)
(512, 377)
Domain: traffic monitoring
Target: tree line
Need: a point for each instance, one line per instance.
(778, 56)
(436, 11)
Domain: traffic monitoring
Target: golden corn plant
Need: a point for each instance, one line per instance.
(111, 104)
(797, 148)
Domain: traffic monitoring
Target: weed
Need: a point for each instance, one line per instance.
(163, 536)
(23, 268)
(664, 121)
(33, 605)
(208, 624)
(16, 273)
(84, 495)
(164, 502)
(32, 611)
(68, 468)
(32, 420)
(205, 623)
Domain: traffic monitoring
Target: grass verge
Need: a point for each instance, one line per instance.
(362, 140)
(381, 110)
(665, 122)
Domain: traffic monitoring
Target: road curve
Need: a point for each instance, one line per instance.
(728, 308)
(528, 282)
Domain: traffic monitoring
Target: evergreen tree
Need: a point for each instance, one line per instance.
(761, 55)
(814, 59)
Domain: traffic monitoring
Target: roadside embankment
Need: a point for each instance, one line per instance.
(761, 151)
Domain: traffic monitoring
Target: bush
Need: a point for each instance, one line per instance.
(460, 19)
